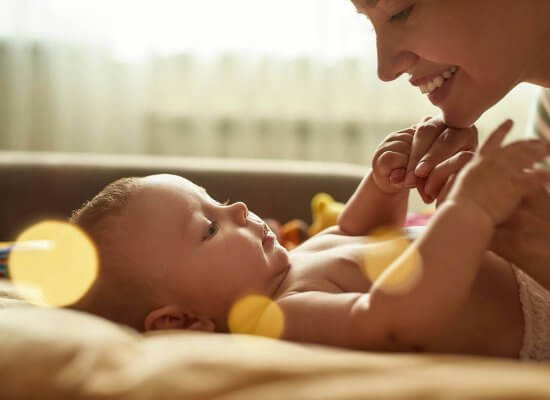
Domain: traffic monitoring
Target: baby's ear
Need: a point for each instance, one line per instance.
(172, 317)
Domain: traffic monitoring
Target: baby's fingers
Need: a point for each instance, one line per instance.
(397, 146)
(525, 154)
(495, 139)
(390, 161)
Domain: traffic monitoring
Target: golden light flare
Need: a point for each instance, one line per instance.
(390, 247)
(53, 263)
(257, 315)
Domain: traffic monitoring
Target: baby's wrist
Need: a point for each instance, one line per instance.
(471, 211)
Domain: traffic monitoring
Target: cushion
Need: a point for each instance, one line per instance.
(60, 354)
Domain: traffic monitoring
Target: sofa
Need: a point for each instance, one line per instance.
(48, 353)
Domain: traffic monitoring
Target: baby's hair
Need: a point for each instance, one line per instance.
(118, 293)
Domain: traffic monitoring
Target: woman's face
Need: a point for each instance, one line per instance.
(465, 55)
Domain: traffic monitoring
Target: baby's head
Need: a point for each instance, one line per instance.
(171, 257)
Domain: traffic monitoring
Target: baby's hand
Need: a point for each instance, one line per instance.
(389, 164)
(499, 177)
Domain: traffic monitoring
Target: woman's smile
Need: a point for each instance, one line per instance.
(430, 83)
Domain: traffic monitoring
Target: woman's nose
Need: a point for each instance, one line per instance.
(393, 61)
(240, 212)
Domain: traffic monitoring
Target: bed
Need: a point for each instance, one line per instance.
(48, 353)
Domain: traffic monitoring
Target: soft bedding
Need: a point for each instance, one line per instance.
(63, 354)
(60, 354)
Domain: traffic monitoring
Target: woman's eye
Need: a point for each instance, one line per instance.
(402, 15)
(212, 229)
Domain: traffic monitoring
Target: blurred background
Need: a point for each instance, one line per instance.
(285, 79)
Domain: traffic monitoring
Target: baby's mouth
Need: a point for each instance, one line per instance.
(268, 237)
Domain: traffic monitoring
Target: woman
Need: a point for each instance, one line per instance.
(466, 55)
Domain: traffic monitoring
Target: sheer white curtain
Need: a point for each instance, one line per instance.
(239, 78)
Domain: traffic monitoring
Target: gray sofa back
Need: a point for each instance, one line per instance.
(37, 186)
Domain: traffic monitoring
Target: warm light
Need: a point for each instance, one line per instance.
(403, 274)
(257, 315)
(56, 261)
(390, 247)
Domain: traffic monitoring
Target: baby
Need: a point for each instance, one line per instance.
(174, 258)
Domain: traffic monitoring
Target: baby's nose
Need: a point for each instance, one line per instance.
(241, 212)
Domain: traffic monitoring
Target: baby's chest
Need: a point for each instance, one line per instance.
(335, 268)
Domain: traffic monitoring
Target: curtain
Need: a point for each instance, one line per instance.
(245, 78)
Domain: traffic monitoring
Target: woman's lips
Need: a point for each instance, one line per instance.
(439, 95)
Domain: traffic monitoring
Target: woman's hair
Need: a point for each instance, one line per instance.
(120, 293)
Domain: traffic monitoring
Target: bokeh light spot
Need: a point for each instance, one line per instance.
(391, 247)
(257, 315)
(55, 260)
(403, 274)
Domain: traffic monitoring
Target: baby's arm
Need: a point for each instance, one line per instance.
(369, 207)
(381, 199)
(444, 263)
(450, 251)
(389, 320)
(339, 319)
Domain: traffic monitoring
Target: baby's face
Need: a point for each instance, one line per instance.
(203, 252)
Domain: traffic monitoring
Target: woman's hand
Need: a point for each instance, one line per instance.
(437, 153)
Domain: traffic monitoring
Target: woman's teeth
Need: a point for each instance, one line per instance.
(438, 81)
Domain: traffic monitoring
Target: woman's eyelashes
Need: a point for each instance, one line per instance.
(402, 15)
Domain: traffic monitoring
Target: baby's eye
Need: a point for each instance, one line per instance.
(212, 230)
(402, 15)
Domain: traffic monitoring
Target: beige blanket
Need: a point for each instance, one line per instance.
(61, 354)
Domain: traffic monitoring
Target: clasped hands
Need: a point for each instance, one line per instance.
(430, 155)
(426, 156)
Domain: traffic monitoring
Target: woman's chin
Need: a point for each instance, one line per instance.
(458, 117)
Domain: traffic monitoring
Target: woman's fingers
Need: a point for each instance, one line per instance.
(444, 192)
(446, 145)
(426, 134)
(440, 174)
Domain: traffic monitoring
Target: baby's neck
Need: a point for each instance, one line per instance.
(278, 286)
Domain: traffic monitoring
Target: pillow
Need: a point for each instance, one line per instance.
(64, 354)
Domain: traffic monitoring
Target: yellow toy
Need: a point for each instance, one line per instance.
(325, 212)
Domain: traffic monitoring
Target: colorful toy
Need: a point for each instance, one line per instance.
(7, 247)
(325, 212)
(293, 233)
